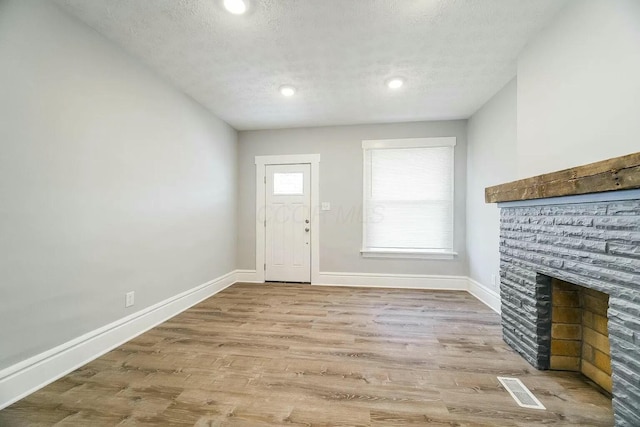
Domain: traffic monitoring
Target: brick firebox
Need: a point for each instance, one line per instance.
(579, 332)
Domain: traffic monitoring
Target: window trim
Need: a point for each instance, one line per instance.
(381, 144)
(407, 254)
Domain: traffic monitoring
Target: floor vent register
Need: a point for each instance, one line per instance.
(520, 393)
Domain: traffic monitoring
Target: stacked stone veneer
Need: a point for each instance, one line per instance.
(595, 245)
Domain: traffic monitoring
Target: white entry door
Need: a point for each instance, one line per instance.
(288, 223)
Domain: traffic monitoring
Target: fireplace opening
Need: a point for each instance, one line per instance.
(579, 333)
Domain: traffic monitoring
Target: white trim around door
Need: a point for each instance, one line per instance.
(261, 163)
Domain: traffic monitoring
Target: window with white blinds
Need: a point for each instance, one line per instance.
(408, 197)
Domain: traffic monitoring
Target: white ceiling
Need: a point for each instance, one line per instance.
(454, 54)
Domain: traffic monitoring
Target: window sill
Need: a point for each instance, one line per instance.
(372, 253)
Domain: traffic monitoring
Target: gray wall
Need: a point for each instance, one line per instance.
(578, 88)
(340, 148)
(490, 161)
(110, 181)
(576, 101)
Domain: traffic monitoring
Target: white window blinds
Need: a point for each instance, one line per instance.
(408, 195)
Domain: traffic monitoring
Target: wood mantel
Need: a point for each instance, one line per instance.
(619, 173)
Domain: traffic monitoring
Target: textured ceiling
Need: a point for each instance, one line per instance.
(454, 54)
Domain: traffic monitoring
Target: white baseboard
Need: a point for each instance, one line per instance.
(411, 281)
(22, 379)
(414, 281)
(247, 276)
(488, 296)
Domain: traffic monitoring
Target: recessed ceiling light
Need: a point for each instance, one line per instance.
(237, 7)
(395, 83)
(287, 90)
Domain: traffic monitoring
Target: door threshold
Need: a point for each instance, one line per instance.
(287, 283)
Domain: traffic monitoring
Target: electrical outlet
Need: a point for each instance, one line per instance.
(129, 299)
(494, 280)
(326, 206)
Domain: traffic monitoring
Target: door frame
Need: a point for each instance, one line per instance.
(261, 163)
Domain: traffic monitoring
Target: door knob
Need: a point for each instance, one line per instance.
(306, 229)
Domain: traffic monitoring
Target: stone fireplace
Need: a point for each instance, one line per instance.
(570, 281)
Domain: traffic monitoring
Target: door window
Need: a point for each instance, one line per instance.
(288, 183)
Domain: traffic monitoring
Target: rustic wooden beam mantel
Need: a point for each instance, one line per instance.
(620, 173)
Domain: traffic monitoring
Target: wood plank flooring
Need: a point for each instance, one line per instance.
(301, 355)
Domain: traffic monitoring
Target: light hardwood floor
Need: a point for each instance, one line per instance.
(301, 355)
